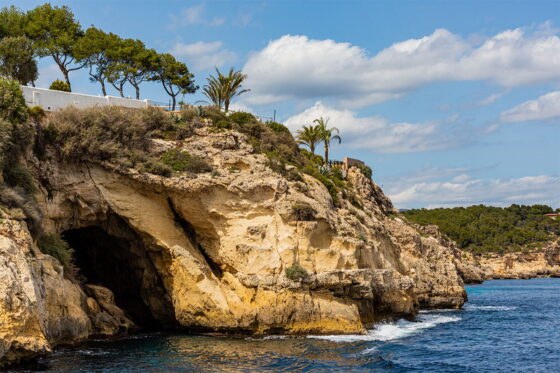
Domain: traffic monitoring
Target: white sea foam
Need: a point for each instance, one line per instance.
(472, 307)
(392, 331)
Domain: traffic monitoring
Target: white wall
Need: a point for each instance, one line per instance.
(51, 100)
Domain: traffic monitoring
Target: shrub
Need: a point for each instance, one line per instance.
(36, 113)
(278, 127)
(296, 273)
(241, 117)
(366, 170)
(59, 85)
(222, 124)
(180, 161)
(55, 246)
(213, 113)
(303, 212)
(12, 103)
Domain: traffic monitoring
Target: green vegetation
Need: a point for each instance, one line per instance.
(55, 246)
(181, 161)
(366, 170)
(482, 229)
(59, 85)
(296, 273)
(303, 212)
(327, 135)
(52, 31)
(111, 133)
(309, 136)
(17, 59)
(221, 89)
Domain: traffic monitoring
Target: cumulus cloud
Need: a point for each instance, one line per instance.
(194, 15)
(376, 133)
(202, 55)
(464, 191)
(544, 107)
(296, 67)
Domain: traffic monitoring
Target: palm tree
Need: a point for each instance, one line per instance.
(327, 135)
(221, 89)
(310, 136)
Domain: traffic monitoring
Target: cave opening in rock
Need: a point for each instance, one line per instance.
(113, 256)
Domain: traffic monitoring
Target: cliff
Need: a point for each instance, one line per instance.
(211, 251)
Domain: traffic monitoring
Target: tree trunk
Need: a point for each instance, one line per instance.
(174, 99)
(326, 154)
(66, 78)
(312, 148)
(103, 90)
(226, 105)
(137, 87)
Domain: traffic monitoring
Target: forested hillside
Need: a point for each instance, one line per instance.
(481, 229)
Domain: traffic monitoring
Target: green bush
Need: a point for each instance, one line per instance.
(180, 161)
(303, 212)
(278, 127)
(12, 103)
(241, 117)
(366, 170)
(55, 246)
(59, 85)
(296, 272)
(222, 124)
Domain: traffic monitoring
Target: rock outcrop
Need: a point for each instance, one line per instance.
(209, 252)
(543, 262)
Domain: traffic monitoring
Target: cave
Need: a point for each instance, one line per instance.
(112, 255)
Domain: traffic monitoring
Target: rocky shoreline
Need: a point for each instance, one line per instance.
(209, 253)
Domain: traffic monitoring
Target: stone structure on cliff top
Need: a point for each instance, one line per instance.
(209, 252)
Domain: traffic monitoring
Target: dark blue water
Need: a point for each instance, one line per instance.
(507, 326)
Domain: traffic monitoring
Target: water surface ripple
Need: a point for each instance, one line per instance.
(507, 326)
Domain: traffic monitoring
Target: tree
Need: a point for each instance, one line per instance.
(12, 22)
(141, 65)
(59, 85)
(16, 59)
(55, 32)
(327, 135)
(310, 136)
(221, 89)
(174, 76)
(97, 50)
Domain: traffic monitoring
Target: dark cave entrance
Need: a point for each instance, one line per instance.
(113, 256)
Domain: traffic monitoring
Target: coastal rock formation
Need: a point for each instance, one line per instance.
(543, 262)
(209, 252)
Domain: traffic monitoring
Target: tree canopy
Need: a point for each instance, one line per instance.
(481, 229)
(17, 60)
(174, 76)
(55, 33)
(221, 89)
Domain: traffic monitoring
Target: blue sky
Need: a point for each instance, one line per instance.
(452, 103)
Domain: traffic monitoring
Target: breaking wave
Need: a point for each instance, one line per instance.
(391, 331)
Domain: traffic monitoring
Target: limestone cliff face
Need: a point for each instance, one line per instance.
(209, 252)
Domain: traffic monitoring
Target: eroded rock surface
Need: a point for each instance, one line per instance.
(210, 253)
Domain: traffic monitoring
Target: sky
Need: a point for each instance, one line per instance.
(452, 103)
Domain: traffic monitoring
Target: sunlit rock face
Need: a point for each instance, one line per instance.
(209, 252)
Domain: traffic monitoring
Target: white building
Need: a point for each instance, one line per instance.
(51, 100)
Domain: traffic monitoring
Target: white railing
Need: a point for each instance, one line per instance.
(51, 100)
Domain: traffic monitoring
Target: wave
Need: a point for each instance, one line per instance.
(391, 331)
(472, 307)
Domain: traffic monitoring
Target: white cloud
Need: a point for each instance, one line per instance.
(240, 106)
(544, 107)
(296, 67)
(376, 133)
(202, 55)
(490, 99)
(194, 15)
(525, 190)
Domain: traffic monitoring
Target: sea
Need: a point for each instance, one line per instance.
(506, 326)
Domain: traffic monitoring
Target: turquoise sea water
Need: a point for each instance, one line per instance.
(507, 326)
